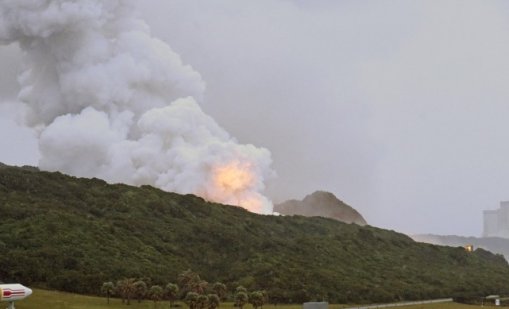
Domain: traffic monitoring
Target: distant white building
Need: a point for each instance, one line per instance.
(496, 222)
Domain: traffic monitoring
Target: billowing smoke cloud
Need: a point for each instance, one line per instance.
(111, 101)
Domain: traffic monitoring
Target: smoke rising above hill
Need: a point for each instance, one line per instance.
(110, 101)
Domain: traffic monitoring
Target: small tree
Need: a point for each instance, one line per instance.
(201, 287)
(171, 292)
(140, 290)
(119, 290)
(265, 297)
(213, 301)
(202, 302)
(257, 299)
(241, 299)
(155, 293)
(187, 280)
(220, 290)
(126, 289)
(190, 281)
(191, 299)
(108, 288)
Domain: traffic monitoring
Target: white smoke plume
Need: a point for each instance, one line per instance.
(110, 101)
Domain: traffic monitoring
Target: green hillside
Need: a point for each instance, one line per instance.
(73, 234)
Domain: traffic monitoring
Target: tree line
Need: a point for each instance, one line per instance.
(195, 292)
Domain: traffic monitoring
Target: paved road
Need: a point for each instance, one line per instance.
(421, 302)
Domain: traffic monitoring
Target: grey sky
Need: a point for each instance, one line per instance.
(400, 108)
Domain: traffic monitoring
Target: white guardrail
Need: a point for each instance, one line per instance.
(409, 303)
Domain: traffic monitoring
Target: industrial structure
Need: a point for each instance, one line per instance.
(496, 222)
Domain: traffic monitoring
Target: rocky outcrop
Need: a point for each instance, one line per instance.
(321, 204)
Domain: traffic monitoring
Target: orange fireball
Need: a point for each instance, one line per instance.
(233, 177)
(233, 183)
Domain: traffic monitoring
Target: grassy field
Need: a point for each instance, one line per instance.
(58, 300)
(443, 306)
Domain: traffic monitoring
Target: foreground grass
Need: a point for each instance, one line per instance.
(59, 300)
(443, 306)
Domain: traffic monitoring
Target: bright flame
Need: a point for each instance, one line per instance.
(233, 177)
(233, 183)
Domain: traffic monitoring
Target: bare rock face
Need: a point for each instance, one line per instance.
(321, 204)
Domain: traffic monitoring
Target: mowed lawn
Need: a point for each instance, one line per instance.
(42, 299)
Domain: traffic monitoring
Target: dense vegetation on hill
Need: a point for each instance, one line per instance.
(73, 234)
